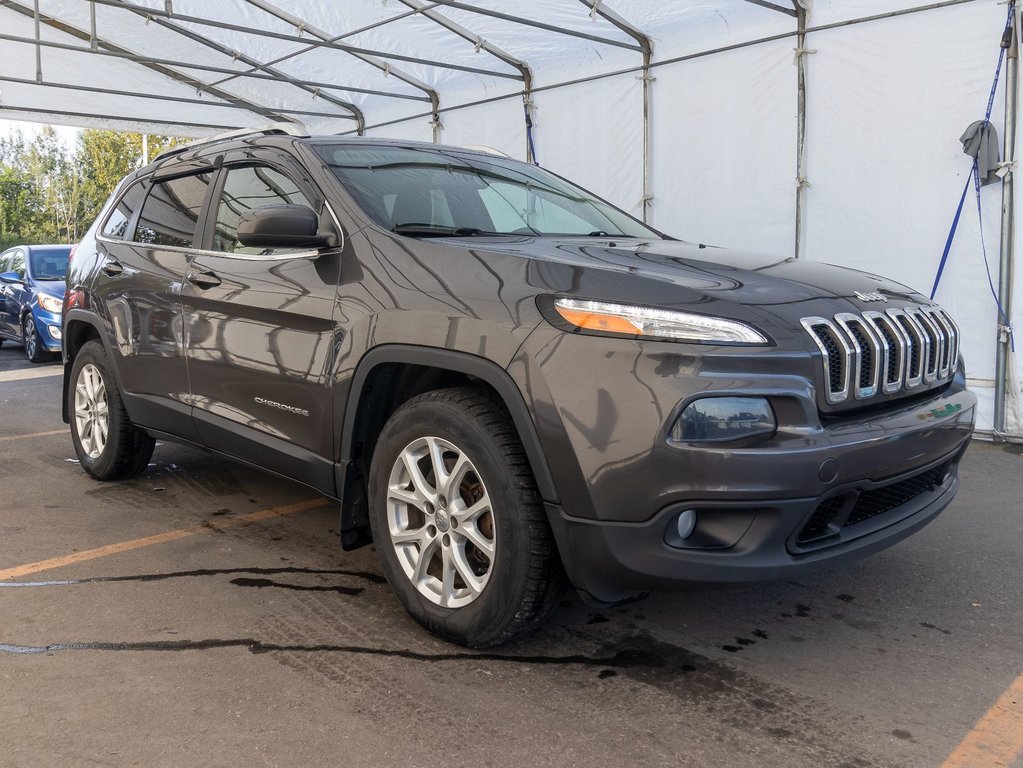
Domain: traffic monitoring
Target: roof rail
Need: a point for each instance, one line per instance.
(288, 128)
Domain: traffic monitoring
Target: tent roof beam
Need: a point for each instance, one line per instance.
(427, 10)
(154, 13)
(600, 8)
(537, 24)
(283, 76)
(166, 71)
(130, 119)
(774, 7)
(152, 96)
(203, 68)
(352, 33)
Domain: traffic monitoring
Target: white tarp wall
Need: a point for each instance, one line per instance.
(886, 101)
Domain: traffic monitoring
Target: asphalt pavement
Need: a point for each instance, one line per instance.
(203, 615)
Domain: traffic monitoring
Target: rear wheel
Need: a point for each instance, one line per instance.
(34, 349)
(457, 520)
(108, 445)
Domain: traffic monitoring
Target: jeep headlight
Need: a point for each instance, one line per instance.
(648, 322)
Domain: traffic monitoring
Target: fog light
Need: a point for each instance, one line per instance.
(686, 523)
(54, 331)
(717, 419)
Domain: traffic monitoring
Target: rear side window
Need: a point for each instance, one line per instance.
(171, 211)
(119, 218)
(246, 188)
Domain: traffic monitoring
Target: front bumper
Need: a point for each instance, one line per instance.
(614, 561)
(48, 329)
(622, 485)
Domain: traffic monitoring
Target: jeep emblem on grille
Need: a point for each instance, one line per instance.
(871, 296)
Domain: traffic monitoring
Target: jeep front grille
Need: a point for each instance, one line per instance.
(884, 352)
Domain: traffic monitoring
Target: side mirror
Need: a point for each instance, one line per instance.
(283, 226)
(12, 278)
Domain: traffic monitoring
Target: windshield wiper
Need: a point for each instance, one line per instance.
(414, 229)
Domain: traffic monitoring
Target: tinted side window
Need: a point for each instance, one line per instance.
(248, 187)
(171, 211)
(119, 218)
(5, 261)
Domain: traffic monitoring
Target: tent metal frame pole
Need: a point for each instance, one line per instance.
(172, 74)
(686, 57)
(774, 7)
(154, 13)
(360, 118)
(801, 182)
(647, 47)
(537, 24)
(427, 10)
(352, 33)
(104, 116)
(139, 59)
(369, 58)
(151, 96)
(1003, 343)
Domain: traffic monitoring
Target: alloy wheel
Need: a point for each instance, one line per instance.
(31, 338)
(441, 522)
(92, 413)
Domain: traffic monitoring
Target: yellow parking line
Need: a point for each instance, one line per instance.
(30, 373)
(9, 438)
(996, 741)
(160, 538)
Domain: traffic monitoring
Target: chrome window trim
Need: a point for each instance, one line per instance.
(809, 323)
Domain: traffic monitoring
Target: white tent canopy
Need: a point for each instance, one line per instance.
(687, 113)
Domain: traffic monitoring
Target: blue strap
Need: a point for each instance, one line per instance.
(951, 236)
(975, 173)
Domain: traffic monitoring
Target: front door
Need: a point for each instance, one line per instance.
(260, 331)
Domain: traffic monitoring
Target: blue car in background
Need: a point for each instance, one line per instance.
(32, 297)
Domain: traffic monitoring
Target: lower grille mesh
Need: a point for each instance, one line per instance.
(825, 521)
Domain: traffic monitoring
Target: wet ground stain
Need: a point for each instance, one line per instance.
(264, 583)
(373, 578)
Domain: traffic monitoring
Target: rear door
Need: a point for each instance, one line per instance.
(260, 328)
(145, 245)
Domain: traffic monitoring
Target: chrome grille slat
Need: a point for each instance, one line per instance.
(888, 352)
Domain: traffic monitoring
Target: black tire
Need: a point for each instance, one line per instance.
(34, 349)
(525, 576)
(127, 449)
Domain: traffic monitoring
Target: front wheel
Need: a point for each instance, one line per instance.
(108, 445)
(34, 349)
(458, 522)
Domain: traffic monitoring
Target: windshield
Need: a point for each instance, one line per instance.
(426, 191)
(50, 263)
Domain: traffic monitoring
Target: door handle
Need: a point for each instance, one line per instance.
(112, 267)
(203, 280)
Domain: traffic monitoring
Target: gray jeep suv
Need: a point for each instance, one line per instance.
(505, 382)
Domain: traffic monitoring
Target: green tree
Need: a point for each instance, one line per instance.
(52, 193)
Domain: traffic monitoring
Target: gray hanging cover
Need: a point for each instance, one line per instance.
(980, 141)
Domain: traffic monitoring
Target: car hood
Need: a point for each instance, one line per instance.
(51, 287)
(677, 274)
